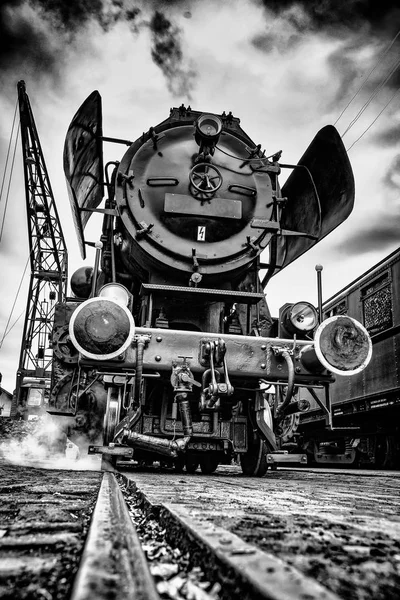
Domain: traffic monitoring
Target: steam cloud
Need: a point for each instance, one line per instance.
(167, 54)
(41, 443)
(35, 35)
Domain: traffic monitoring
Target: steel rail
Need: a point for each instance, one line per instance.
(244, 571)
(113, 564)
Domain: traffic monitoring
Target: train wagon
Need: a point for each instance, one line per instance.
(365, 407)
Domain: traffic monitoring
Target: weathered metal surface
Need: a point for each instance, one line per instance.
(281, 458)
(242, 565)
(112, 450)
(175, 291)
(113, 558)
(316, 206)
(343, 345)
(83, 163)
(246, 355)
(199, 223)
(183, 204)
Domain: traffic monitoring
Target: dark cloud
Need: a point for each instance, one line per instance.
(267, 42)
(36, 34)
(391, 179)
(382, 236)
(334, 15)
(383, 232)
(357, 23)
(365, 39)
(344, 64)
(388, 137)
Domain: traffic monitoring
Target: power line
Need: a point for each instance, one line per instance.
(14, 303)
(12, 327)
(383, 54)
(376, 118)
(8, 151)
(9, 185)
(373, 95)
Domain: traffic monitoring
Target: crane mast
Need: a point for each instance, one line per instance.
(48, 262)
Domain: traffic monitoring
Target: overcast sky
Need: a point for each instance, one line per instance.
(284, 68)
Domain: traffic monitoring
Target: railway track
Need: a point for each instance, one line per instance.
(293, 534)
(44, 518)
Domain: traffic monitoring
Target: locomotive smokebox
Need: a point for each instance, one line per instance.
(190, 201)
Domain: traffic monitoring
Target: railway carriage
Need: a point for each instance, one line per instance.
(366, 407)
(166, 349)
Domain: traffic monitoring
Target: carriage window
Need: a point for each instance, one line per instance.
(377, 304)
(338, 309)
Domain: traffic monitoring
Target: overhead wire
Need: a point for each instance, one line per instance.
(372, 96)
(8, 151)
(9, 184)
(6, 330)
(382, 56)
(12, 326)
(376, 118)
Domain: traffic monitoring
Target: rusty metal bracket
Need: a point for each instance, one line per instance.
(145, 229)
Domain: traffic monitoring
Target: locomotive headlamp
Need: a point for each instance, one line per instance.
(303, 316)
(341, 345)
(116, 292)
(208, 130)
(299, 318)
(81, 282)
(101, 328)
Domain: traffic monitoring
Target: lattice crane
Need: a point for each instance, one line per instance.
(48, 262)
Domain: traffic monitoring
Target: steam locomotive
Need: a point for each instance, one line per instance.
(167, 346)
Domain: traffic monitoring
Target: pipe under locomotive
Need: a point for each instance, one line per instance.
(167, 347)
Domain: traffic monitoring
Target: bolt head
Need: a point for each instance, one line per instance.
(158, 358)
(263, 366)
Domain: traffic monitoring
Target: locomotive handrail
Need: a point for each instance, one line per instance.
(222, 295)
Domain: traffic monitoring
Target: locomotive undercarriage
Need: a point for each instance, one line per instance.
(186, 397)
(364, 439)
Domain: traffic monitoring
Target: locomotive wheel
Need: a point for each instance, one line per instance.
(191, 465)
(179, 464)
(208, 464)
(111, 419)
(254, 461)
(385, 452)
